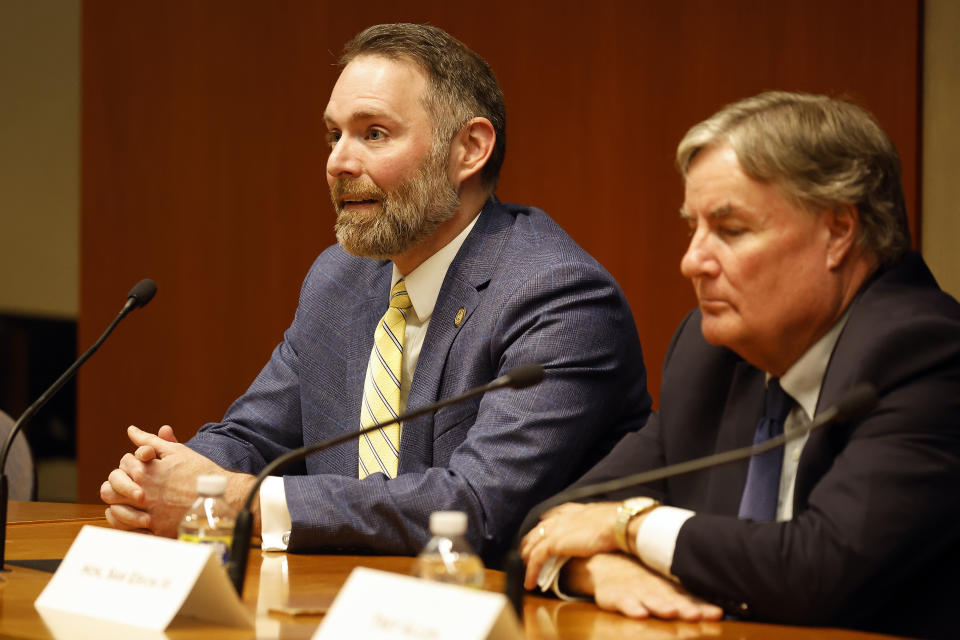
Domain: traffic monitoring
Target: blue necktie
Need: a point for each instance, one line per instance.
(759, 501)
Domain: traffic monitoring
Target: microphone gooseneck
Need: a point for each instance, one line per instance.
(517, 378)
(524, 376)
(852, 406)
(138, 297)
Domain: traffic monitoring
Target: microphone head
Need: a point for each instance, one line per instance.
(524, 375)
(856, 402)
(142, 293)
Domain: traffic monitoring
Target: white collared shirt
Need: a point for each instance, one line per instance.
(423, 286)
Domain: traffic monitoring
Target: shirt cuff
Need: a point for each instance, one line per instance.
(657, 538)
(275, 522)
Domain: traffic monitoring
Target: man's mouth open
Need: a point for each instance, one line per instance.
(351, 203)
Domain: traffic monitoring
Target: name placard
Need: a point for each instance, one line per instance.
(377, 605)
(142, 581)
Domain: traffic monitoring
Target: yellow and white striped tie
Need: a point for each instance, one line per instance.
(380, 449)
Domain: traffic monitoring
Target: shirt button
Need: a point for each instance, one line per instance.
(286, 538)
(796, 456)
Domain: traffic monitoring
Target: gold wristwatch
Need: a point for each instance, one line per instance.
(627, 511)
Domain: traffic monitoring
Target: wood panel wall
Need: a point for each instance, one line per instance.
(203, 159)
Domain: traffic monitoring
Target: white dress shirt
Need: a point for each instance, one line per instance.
(423, 287)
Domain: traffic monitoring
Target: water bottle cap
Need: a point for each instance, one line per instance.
(211, 485)
(448, 523)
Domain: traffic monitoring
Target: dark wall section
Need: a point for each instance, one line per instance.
(203, 159)
(35, 351)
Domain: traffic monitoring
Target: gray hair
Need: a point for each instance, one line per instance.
(461, 83)
(822, 152)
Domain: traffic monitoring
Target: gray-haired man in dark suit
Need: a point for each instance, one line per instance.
(799, 255)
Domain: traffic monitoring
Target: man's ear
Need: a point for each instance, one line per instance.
(843, 223)
(470, 149)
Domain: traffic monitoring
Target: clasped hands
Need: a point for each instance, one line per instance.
(156, 484)
(617, 582)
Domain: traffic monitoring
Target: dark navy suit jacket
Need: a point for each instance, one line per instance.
(875, 538)
(531, 295)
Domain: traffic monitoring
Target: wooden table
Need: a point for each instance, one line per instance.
(281, 582)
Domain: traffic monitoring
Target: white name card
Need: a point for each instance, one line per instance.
(141, 581)
(376, 605)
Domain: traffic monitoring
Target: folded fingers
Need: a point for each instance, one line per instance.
(127, 518)
(122, 489)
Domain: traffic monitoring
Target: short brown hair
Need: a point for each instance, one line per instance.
(461, 83)
(823, 152)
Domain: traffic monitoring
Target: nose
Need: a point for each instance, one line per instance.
(343, 160)
(699, 259)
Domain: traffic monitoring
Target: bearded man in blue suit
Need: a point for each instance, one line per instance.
(417, 136)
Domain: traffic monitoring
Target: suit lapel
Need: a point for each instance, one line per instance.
(368, 314)
(468, 274)
(737, 426)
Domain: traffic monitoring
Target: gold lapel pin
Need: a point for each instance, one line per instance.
(459, 317)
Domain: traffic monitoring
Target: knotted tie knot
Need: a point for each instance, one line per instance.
(399, 298)
(777, 403)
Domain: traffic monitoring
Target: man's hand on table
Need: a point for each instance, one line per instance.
(572, 529)
(621, 583)
(155, 485)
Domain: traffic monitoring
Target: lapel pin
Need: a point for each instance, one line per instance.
(458, 320)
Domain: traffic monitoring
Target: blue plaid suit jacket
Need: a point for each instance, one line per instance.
(531, 295)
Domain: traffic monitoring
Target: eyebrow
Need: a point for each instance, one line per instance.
(359, 115)
(719, 212)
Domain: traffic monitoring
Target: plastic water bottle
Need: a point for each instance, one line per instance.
(210, 520)
(448, 557)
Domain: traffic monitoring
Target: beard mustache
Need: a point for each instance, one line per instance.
(413, 210)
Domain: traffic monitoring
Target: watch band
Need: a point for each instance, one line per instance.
(627, 511)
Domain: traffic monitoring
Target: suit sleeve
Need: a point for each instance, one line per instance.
(266, 421)
(637, 451)
(261, 425)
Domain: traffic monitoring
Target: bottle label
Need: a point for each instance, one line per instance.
(221, 544)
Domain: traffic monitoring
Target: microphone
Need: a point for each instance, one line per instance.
(517, 378)
(139, 296)
(853, 405)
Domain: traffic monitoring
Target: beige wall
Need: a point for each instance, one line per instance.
(941, 142)
(39, 156)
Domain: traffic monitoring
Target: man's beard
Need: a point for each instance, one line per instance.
(405, 216)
